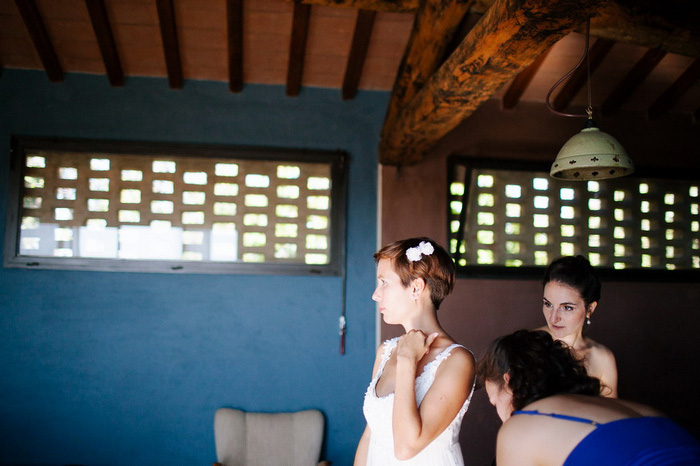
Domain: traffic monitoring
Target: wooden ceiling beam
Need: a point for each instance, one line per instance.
(297, 48)
(509, 37)
(433, 28)
(670, 26)
(632, 80)
(234, 23)
(521, 82)
(40, 37)
(680, 86)
(358, 52)
(578, 78)
(658, 24)
(105, 39)
(171, 48)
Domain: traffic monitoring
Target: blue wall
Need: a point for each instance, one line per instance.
(128, 368)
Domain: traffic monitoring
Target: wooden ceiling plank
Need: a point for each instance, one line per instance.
(105, 39)
(521, 82)
(675, 91)
(234, 12)
(509, 37)
(358, 52)
(40, 37)
(632, 80)
(399, 6)
(297, 48)
(171, 48)
(596, 54)
(433, 29)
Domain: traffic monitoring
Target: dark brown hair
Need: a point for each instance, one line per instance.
(538, 367)
(436, 269)
(576, 272)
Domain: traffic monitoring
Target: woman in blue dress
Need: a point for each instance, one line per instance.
(553, 413)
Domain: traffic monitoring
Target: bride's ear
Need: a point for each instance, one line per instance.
(417, 287)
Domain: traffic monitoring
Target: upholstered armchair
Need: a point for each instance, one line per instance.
(265, 439)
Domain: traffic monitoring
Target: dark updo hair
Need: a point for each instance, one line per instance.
(437, 269)
(576, 272)
(539, 366)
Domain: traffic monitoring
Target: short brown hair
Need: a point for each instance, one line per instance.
(437, 269)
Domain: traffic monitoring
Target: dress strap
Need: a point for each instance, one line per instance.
(558, 416)
(389, 346)
(446, 352)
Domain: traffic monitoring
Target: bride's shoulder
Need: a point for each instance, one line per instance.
(456, 354)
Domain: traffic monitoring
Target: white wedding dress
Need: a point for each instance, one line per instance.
(442, 451)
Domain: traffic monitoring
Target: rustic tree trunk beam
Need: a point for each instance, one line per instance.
(653, 24)
(510, 36)
(663, 28)
(433, 29)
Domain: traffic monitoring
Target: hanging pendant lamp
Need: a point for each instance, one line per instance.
(590, 154)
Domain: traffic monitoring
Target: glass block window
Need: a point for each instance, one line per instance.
(518, 217)
(105, 205)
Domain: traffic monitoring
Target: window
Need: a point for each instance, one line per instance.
(515, 217)
(163, 208)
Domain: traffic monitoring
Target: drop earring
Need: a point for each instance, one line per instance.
(588, 319)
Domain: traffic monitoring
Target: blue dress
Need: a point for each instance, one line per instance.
(632, 441)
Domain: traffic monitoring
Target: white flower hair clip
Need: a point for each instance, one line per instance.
(417, 252)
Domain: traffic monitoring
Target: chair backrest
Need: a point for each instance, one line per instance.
(263, 439)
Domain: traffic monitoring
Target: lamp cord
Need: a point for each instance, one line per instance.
(589, 109)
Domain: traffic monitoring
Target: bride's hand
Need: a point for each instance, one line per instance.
(414, 345)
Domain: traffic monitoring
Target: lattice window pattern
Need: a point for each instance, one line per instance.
(520, 218)
(185, 208)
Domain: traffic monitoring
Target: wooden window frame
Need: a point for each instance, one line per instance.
(337, 161)
(536, 271)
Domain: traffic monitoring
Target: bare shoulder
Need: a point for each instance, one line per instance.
(599, 347)
(461, 356)
(641, 409)
(514, 427)
(516, 441)
(457, 369)
(598, 353)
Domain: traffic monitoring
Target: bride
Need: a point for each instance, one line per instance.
(422, 381)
